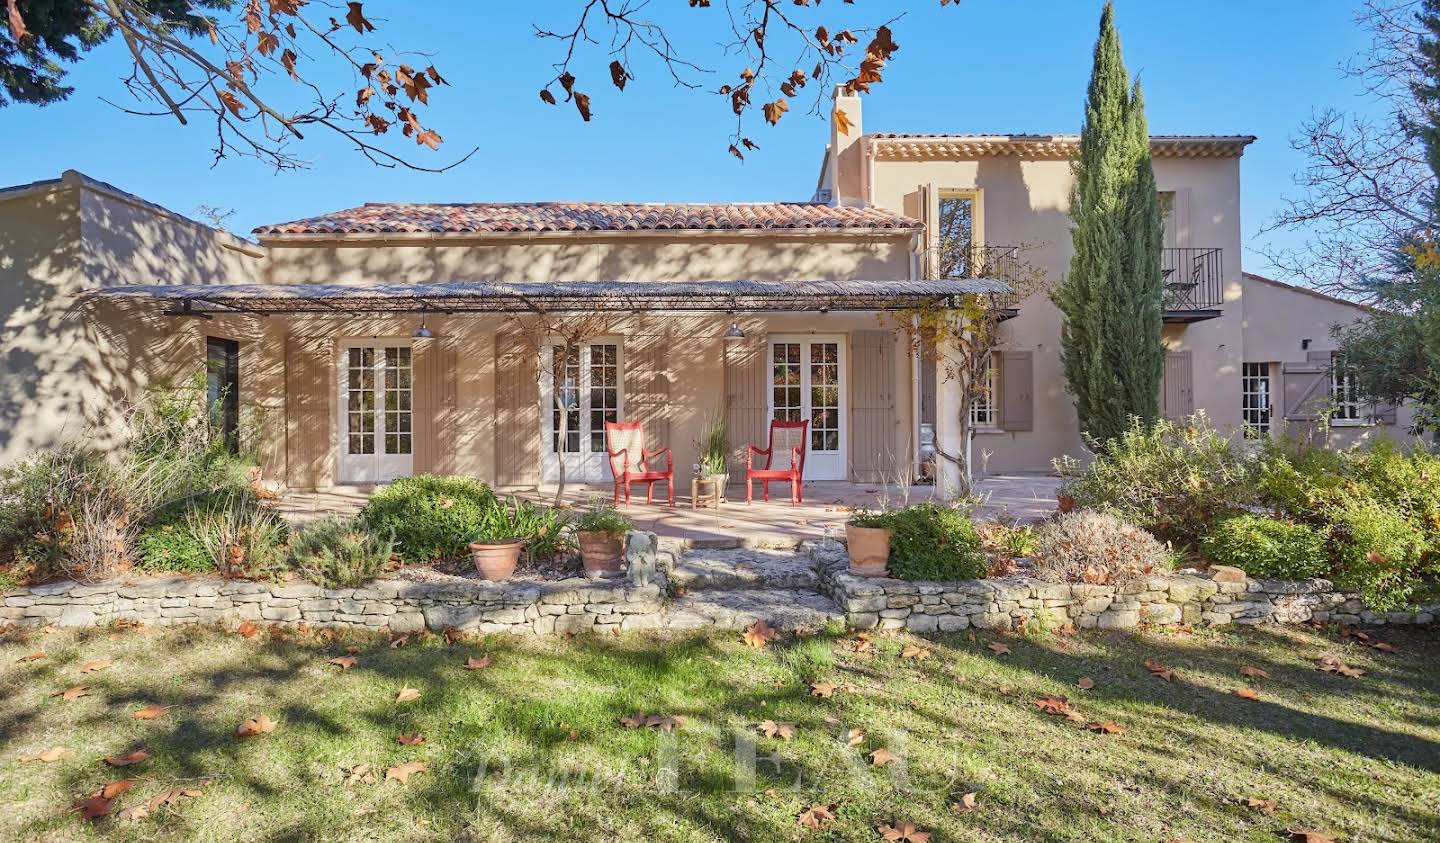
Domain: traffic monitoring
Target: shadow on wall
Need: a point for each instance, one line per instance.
(63, 363)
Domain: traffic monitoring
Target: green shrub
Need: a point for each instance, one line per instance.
(339, 552)
(243, 539)
(432, 518)
(1269, 547)
(604, 518)
(1176, 481)
(1095, 547)
(168, 542)
(933, 542)
(1378, 553)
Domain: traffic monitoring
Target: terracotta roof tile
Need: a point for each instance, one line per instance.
(524, 217)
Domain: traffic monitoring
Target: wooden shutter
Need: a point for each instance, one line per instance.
(647, 385)
(1017, 390)
(517, 412)
(872, 406)
(923, 205)
(309, 398)
(433, 362)
(1178, 397)
(1306, 386)
(747, 400)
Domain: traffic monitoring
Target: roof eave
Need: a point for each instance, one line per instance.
(494, 236)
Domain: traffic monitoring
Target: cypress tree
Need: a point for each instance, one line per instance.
(1112, 298)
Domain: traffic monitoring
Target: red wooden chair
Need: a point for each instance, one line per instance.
(789, 437)
(630, 462)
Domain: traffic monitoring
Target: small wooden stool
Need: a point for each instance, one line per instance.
(711, 500)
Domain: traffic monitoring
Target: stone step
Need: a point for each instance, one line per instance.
(703, 569)
(785, 609)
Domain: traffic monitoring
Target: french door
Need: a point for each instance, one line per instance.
(376, 416)
(807, 381)
(590, 387)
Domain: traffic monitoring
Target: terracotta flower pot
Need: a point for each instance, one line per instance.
(600, 553)
(1064, 504)
(496, 560)
(869, 549)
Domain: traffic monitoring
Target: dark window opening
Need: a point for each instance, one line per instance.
(222, 388)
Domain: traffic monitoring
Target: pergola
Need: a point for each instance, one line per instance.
(556, 297)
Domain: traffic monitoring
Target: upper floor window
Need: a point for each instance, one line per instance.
(957, 234)
(1167, 217)
(1347, 408)
(1255, 400)
(984, 411)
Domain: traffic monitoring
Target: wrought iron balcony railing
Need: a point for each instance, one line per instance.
(1194, 281)
(998, 262)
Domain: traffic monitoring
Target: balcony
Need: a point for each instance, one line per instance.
(1194, 284)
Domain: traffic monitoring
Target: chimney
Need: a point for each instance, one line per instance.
(846, 174)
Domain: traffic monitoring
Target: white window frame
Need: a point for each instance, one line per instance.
(1257, 399)
(378, 467)
(984, 406)
(819, 465)
(583, 466)
(1347, 410)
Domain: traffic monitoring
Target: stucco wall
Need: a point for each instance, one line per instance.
(60, 372)
(641, 256)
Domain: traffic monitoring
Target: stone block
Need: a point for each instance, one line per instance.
(894, 613)
(952, 623)
(281, 614)
(1215, 618)
(406, 622)
(1226, 573)
(1118, 619)
(922, 623)
(636, 622)
(574, 624)
(991, 620)
(863, 620)
(296, 590)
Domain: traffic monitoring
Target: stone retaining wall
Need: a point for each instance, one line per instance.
(1221, 597)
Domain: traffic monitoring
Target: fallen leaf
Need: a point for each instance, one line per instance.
(171, 796)
(822, 689)
(965, 805)
(400, 641)
(453, 635)
(257, 725)
(817, 815)
(115, 788)
(916, 652)
(664, 722)
(127, 760)
(1310, 835)
(860, 644)
(94, 666)
(481, 663)
(407, 694)
(1331, 663)
(1085, 683)
(1384, 647)
(403, 772)
(633, 721)
(1253, 672)
(343, 662)
(1247, 693)
(54, 753)
(1000, 649)
(359, 774)
(784, 731)
(882, 756)
(151, 712)
(93, 808)
(139, 812)
(1109, 727)
(758, 634)
(74, 693)
(1053, 705)
(1267, 806)
(410, 740)
(856, 737)
(1159, 670)
(247, 629)
(33, 657)
(905, 832)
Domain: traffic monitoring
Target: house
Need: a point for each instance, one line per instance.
(375, 342)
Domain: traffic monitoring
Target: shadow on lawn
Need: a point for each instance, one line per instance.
(496, 736)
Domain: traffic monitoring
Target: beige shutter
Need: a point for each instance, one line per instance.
(747, 376)
(924, 205)
(1178, 396)
(1017, 390)
(517, 412)
(309, 444)
(433, 362)
(647, 385)
(872, 407)
(1306, 386)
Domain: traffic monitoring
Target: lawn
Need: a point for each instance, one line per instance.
(532, 747)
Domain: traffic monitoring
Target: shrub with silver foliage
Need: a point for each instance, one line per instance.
(1095, 547)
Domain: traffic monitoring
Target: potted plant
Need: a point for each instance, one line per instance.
(497, 539)
(867, 539)
(713, 471)
(601, 532)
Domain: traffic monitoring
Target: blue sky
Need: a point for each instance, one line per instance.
(1217, 67)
